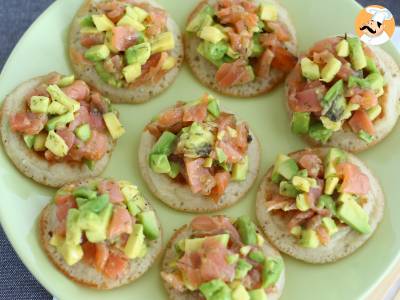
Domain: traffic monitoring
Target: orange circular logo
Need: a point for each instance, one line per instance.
(375, 25)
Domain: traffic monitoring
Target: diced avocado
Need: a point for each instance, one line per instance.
(256, 48)
(344, 197)
(371, 66)
(221, 156)
(329, 225)
(90, 164)
(71, 253)
(89, 30)
(212, 34)
(332, 125)
(86, 21)
(196, 141)
(245, 250)
(335, 155)
(232, 258)
(56, 108)
(300, 122)
(40, 141)
(132, 72)
(84, 192)
(150, 224)
(287, 189)
(319, 133)
(58, 95)
(56, 144)
(163, 42)
(357, 81)
(29, 140)
(213, 52)
(131, 22)
(113, 125)
(375, 81)
(56, 240)
(83, 132)
(296, 231)
(81, 201)
(139, 53)
(301, 184)
(349, 109)
(88, 220)
(365, 136)
(74, 232)
(247, 230)
(100, 233)
(302, 203)
(309, 239)
(357, 55)
(97, 53)
(242, 268)
(287, 168)
(60, 121)
(268, 12)
(260, 240)
(165, 143)
(258, 294)
(309, 69)
(302, 173)
(257, 256)
(327, 202)
(201, 49)
(105, 76)
(330, 184)
(215, 289)
(374, 112)
(136, 13)
(194, 244)
(175, 169)
(334, 92)
(240, 293)
(351, 213)
(276, 177)
(159, 163)
(342, 48)
(213, 107)
(232, 53)
(169, 63)
(133, 208)
(201, 19)
(135, 242)
(272, 269)
(66, 81)
(39, 104)
(96, 204)
(239, 170)
(102, 22)
(330, 70)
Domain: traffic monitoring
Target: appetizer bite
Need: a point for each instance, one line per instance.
(240, 48)
(129, 50)
(56, 129)
(100, 233)
(197, 158)
(319, 205)
(218, 258)
(343, 93)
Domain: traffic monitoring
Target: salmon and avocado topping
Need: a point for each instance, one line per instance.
(201, 146)
(243, 39)
(223, 259)
(127, 43)
(104, 224)
(65, 121)
(318, 196)
(337, 84)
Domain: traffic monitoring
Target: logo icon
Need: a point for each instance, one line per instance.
(375, 25)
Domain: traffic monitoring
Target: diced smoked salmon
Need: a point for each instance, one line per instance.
(121, 222)
(354, 181)
(113, 190)
(360, 121)
(28, 122)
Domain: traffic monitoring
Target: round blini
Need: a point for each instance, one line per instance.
(343, 243)
(84, 274)
(345, 138)
(88, 73)
(27, 161)
(179, 196)
(205, 71)
(171, 256)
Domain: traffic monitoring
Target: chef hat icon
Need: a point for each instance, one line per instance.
(379, 14)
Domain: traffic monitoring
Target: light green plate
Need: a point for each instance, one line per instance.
(42, 49)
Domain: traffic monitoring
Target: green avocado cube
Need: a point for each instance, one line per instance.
(257, 256)
(113, 125)
(71, 253)
(242, 268)
(40, 141)
(366, 137)
(302, 202)
(319, 133)
(175, 169)
(330, 184)
(163, 42)
(300, 122)
(375, 81)
(29, 140)
(86, 21)
(159, 163)
(132, 72)
(258, 294)
(287, 189)
(329, 225)
(90, 164)
(309, 69)
(135, 243)
(357, 55)
(136, 13)
(240, 169)
(66, 81)
(39, 104)
(138, 53)
(195, 244)
(301, 184)
(213, 51)
(354, 81)
(288, 168)
(106, 76)
(334, 92)
(309, 239)
(213, 107)
(247, 230)
(60, 121)
(240, 293)
(212, 34)
(99, 234)
(81, 201)
(221, 156)
(256, 48)
(133, 208)
(74, 232)
(296, 231)
(271, 272)
(165, 144)
(342, 48)
(97, 53)
(102, 22)
(371, 66)
(330, 70)
(84, 192)
(58, 95)
(56, 144)
(83, 132)
(88, 220)
(97, 204)
(150, 224)
(327, 202)
(232, 258)
(276, 177)
(215, 289)
(268, 12)
(131, 22)
(374, 112)
(56, 108)
(201, 19)
(351, 213)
